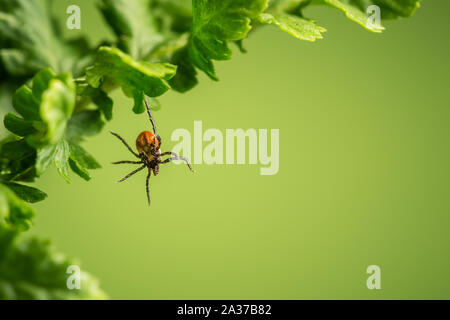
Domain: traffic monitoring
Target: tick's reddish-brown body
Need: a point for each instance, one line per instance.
(147, 143)
(149, 152)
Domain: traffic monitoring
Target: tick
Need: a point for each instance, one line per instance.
(149, 153)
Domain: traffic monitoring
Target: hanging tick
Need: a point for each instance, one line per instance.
(149, 153)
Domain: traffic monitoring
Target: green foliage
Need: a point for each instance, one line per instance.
(32, 269)
(26, 193)
(390, 9)
(17, 160)
(33, 42)
(113, 67)
(15, 215)
(214, 24)
(134, 25)
(60, 92)
(354, 13)
(300, 28)
(47, 125)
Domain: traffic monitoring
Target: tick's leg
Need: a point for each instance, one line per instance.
(125, 143)
(150, 117)
(177, 158)
(146, 186)
(131, 173)
(169, 153)
(131, 162)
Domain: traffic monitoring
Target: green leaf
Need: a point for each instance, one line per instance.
(134, 24)
(173, 15)
(15, 150)
(298, 27)
(79, 170)
(49, 104)
(389, 9)
(57, 105)
(98, 96)
(44, 157)
(61, 159)
(32, 269)
(18, 126)
(136, 78)
(215, 23)
(104, 103)
(84, 124)
(33, 40)
(15, 61)
(29, 194)
(15, 215)
(41, 81)
(17, 160)
(288, 6)
(354, 13)
(392, 9)
(78, 154)
(80, 161)
(54, 97)
(153, 104)
(138, 97)
(186, 77)
(64, 155)
(26, 104)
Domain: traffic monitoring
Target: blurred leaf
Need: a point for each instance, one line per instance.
(33, 40)
(26, 193)
(46, 107)
(14, 61)
(61, 159)
(58, 154)
(15, 214)
(240, 45)
(80, 161)
(41, 82)
(78, 154)
(15, 150)
(134, 24)
(98, 96)
(393, 9)
(138, 97)
(298, 27)
(79, 170)
(353, 12)
(153, 104)
(85, 123)
(173, 16)
(26, 104)
(57, 105)
(135, 78)
(186, 76)
(104, 103)
(31, 269)
(288, 6)
(45, 156)
(18, 125)
(17, 160)
(49, 103)
(390, 9)
(215, 23)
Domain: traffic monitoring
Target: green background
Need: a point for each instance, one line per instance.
(364, 174)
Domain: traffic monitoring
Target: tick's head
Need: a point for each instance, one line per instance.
(147, 143)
